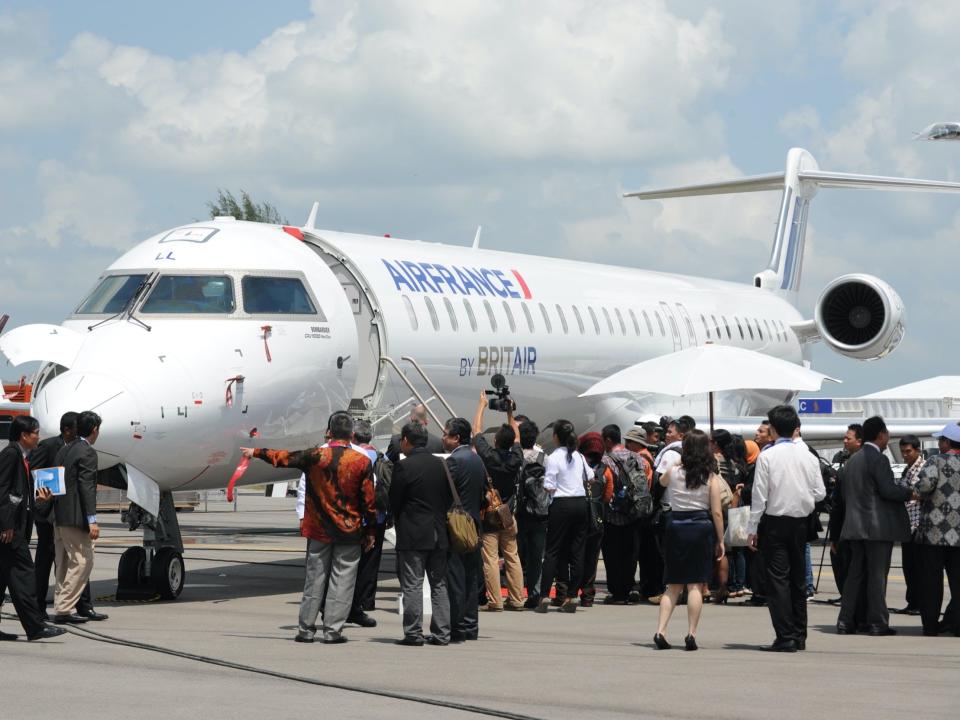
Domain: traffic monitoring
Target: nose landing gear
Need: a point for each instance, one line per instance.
(156, 568)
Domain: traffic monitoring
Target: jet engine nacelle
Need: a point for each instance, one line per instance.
(860, 316)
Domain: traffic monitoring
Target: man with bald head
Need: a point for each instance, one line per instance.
(420, 416)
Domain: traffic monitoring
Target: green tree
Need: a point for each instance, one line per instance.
(245, 209)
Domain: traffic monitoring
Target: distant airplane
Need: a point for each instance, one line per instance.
(207, 335)
(939, 131)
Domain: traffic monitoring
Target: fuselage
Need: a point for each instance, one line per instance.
(257, 334)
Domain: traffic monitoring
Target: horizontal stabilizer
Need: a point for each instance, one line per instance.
(827, 179)
(754, 183)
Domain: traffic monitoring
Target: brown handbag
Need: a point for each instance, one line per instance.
(497, 514)
(461, 528)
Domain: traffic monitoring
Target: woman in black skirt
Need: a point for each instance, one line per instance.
(693, 538)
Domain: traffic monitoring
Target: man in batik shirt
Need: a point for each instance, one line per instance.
(340, 520)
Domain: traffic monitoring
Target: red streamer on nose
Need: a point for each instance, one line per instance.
(266, 333)
(237, 474)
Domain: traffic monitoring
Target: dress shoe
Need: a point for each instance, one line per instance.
(880, 630)
(334, 639)
(569, 606)
(47, 633)
(493, 608)
(661, 642)
(544, 605)
(514, 608)
(7, 637)
(908, 610)
(93, 615)
(361, 619)
(614, 600)
(844, 629)
(73, 619)
(584, 603)
(411, 641)
(633, 597)
(556, 601)
(802, 644)
(303, 637)
(434, 640)
(756, 601)
(947, 627)
(690, 642)
(531, 602)
(784, 646)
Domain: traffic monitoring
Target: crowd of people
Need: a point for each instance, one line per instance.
(654, 502)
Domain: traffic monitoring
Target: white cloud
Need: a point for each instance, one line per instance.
(98, 210)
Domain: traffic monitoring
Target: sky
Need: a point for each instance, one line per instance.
(426, 119)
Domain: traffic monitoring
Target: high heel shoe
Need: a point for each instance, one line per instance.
(721, 596)
(691, 642)
(661, 642)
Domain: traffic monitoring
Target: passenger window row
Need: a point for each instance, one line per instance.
(715, 328)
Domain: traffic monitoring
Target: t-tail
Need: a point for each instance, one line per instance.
(799, 183)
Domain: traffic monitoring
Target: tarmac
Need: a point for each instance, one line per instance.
(244, 578)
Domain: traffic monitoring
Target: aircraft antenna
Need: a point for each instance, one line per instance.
(476, 238)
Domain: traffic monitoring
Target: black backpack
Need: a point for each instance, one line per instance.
(536, 500)
(383, 470)
(631, 496)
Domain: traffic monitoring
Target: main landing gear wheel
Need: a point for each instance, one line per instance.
(168, 573)
(130, 571)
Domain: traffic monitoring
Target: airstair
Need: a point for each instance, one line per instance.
(361, 409)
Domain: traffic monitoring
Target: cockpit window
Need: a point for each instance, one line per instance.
(276, 296)
(205, 294)
(111, 295)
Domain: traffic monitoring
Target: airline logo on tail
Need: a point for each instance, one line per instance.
(420, 277)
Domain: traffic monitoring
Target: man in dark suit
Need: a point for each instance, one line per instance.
(75, 513)
(417, 415)
(420, 497)
(43, 456)
(463, 571)
(17, 507)
(874, 519)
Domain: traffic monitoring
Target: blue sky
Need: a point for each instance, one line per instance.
(426, 119)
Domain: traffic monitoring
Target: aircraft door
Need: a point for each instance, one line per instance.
(674, 328)
(688, 326)
(367, 320)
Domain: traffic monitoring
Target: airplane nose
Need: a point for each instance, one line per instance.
(87, 390)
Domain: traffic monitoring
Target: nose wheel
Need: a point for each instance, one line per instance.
(156, 568)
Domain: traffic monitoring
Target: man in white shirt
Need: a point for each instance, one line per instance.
(670, 455)
(787, 484)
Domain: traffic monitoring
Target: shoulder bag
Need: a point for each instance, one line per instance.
(461, 528)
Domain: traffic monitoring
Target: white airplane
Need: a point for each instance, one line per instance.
(939, 131)
(207, 335)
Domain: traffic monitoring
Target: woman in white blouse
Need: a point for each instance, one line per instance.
(565, 479)
(693, 538)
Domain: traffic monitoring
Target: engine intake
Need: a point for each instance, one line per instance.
(860, 316)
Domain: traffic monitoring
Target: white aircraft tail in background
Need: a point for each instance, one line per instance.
(939, 131)
(799, 182)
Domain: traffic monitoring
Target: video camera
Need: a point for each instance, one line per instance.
(501, 401)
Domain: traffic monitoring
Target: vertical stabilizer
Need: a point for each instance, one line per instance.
(786, 258)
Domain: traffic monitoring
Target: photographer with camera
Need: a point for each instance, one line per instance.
(503, 463)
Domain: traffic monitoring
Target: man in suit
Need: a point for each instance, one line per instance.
(874, 519)
(75, 515)
(17, 507)
(420, 416)
(463, 571)
(420, 497)
(43, 457)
